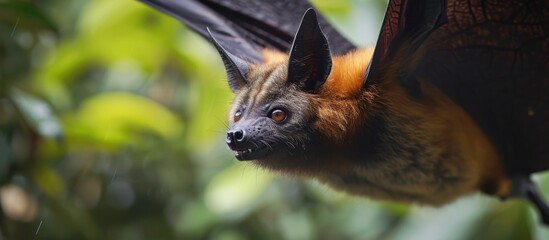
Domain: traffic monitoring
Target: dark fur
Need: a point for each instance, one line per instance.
(380, 141)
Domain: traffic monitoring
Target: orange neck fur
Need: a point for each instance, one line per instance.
(346, 79)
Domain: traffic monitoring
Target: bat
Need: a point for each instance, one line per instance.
(452, 100)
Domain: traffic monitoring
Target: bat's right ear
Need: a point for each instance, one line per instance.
(310, 60)
(236, 67)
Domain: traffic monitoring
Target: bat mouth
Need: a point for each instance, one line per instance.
(253, 153)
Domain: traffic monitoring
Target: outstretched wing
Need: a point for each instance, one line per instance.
(490, 56)
(244, 27)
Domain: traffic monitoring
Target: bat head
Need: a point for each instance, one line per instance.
(273, 109)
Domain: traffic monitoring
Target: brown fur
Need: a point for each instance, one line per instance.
(379, 142)
(340, 99)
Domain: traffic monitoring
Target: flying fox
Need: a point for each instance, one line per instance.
(453, 99)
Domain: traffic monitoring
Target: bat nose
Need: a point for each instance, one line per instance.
(234, 137)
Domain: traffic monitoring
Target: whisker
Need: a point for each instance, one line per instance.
(267, 144)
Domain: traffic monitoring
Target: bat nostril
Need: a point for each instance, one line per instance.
(234, 136)
(229, 138)
(239, 135)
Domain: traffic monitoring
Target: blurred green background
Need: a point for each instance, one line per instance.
(112, 121)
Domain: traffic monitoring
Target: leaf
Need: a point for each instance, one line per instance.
(117, 118)
(37, 114)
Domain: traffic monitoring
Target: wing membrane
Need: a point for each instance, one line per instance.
(244, 27)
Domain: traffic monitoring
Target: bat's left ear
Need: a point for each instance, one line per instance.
(236, 67)
(310, 59)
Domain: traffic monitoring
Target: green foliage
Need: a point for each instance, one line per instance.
(112, 119)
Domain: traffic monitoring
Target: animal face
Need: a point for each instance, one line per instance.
(269, 116)
(272, 112)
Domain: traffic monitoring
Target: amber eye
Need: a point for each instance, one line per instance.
(237, 115)
(278, 115)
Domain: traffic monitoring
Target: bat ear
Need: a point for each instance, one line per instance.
(310, 59)
(236, 67)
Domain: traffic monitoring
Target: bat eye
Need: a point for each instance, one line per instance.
(278, 115)
(237, 115)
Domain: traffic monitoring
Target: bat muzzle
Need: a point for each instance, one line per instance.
(244, 147)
